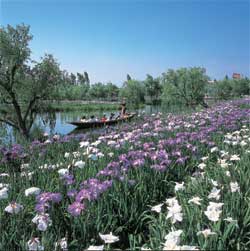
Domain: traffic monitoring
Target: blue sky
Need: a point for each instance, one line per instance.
(110, 38)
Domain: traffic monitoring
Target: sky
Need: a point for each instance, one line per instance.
(112, 38)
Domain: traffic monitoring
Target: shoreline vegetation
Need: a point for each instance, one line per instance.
(78, 105)
(66, 106)
(88, 107)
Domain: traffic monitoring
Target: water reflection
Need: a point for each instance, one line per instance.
(58, 123)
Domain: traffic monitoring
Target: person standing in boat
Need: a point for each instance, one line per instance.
(123, 108)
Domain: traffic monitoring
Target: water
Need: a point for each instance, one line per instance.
(62, 126)
(57, 123)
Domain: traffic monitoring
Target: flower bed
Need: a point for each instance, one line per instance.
(82, 188)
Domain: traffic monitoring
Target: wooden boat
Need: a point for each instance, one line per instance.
(84, 125)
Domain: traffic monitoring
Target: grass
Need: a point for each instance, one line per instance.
(129, 155)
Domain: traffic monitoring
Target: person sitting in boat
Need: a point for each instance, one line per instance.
(112, 116)
(83, 119)
(92, 119)
(118, 116)
(104, 118)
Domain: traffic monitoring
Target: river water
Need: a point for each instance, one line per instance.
(61, 120)
(58, 122)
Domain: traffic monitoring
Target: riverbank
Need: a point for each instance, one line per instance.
(74, 106)
(87, 106)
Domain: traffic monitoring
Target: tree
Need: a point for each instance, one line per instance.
(241, 87)
(227, 88)
(128, 77)
(112, 91)
(83, 80)
(86, 76)
(72, 79)
(134, 92)
(223, 88)
(153, 88)
(97, 90)
(80, 79)
(22, 86)
(65, 78)
(185, 86)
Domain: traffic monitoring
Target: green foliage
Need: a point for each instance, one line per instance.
(134, 92)
(184, 86)
(98, 91)
(241, 87)
(80, 107)
(128, 77)
(81, 80)
(22, 86)
(230, 88)
(86, 77)
(70, 92)
(112, 91)
(72, 79)
(167, 96)
(14, 52)
(223, 89)
(107, 91)
(153, 88)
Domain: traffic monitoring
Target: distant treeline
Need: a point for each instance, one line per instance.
(186, 86)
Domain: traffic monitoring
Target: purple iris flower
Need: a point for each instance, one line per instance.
(76, 208)
(68, 179)
(157, 167)
(41, 207)
(83, 194)
(72, 193)
(56, 197)
(43, 199)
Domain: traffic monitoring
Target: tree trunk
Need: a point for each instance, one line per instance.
(25, 133)
(204, 104)
(21, 122)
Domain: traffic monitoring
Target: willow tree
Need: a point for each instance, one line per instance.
(23, 82)
(134, 92)
(153, 88)
(185, 86)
